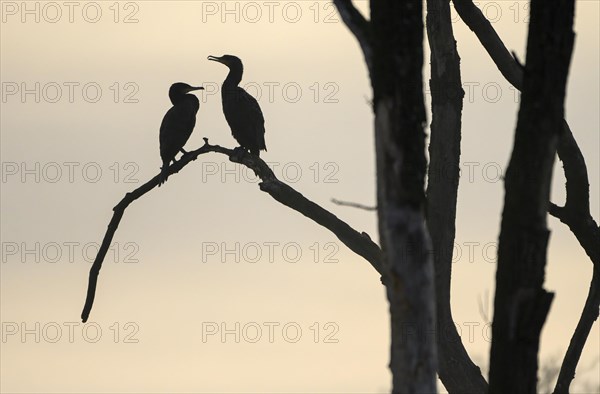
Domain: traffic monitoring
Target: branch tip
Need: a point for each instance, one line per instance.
(280, 191)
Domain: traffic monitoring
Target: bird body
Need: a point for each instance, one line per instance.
(177, 124)
(241, 110)
(245, 119)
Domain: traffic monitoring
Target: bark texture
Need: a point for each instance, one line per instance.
(576, 212)
(456, 370)
(397, 81)
(521, 304)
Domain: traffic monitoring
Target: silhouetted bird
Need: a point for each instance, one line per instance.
(241, 110)
(177, 125)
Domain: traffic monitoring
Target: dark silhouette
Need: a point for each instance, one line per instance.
(177, 125)
(576, 212)
(455, 368)
(241, 110)
(522, 304)
(359, 242)
(392, 49)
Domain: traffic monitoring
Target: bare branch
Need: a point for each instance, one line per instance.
(353, 205)
(359, 26)
(456, 370)
(579, 338)
(490, 40)
(567, 148)
(576, 215)
(360, 243)
(576, 212)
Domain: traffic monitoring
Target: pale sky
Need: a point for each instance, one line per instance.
(298, 312)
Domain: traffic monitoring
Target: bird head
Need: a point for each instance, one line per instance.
(183, 88)
(229, 60)
(178, 91)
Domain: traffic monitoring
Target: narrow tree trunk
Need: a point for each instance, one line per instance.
(521, 303)
(456, 370)
(397, 81)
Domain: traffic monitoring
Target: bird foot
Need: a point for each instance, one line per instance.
(238, 152)
(185, 155)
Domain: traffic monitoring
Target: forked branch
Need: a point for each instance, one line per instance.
(576, 212)
(576, 215)
(360, 243)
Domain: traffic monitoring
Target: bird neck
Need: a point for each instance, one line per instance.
(193, 102)
(188, 99)
(176, 97)
(234, 77)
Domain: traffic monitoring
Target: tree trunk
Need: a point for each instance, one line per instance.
(397, 81)
(456, 370)
(521, 303)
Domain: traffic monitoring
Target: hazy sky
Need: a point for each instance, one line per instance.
(211, 285)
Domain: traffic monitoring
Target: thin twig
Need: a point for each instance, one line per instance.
(353, 205)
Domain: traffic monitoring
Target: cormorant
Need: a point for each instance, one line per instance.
(241, 110)
(177, 125)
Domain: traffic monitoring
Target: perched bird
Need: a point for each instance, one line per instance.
(241, 110)
(177, 125)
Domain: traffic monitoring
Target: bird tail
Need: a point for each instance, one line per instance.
(164, 174)
(261, 146)
(264, 144)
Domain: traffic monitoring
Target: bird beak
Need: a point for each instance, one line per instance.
(192, 88)
(215, 59)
